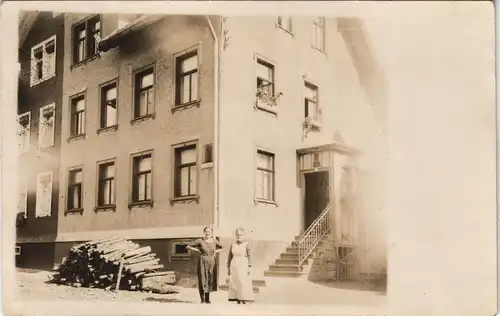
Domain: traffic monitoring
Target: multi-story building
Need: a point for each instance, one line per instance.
(41, 57)
(273, 124)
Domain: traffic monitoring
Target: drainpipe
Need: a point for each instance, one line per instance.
(216, 124)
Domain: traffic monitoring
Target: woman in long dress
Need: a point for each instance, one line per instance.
(239, 263)
(207, 247)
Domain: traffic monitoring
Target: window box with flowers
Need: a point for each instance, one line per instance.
(267, 98)
(313, 122)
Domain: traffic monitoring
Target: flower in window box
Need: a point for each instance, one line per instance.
(314, 121)
(264, 95)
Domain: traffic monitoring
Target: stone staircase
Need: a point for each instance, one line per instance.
(287, 265)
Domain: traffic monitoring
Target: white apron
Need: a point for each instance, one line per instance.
(240, 283)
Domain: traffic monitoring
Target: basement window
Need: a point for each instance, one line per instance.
(179, 251)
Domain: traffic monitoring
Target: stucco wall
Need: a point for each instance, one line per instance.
(244, 128)
(155, 44)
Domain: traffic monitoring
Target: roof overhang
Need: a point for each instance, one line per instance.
(26, 21)
(335, 147)
(113, 39)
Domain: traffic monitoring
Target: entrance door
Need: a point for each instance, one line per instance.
(317, 195)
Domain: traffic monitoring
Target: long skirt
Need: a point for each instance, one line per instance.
(207, 277)
(240, 283)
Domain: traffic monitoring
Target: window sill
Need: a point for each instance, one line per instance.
(141, 204)
(76, 137)
(185, 199)
(74, 211)
(36, 82)
(83, 62)
(267, 202)
(262, 105)
(105, 208)
(179, 107)
(106, 129)
(319, 50)
(143, 118)
(207, 165)
(43, 216)
(284, 29)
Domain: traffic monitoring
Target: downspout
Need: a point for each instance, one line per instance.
(216, 124)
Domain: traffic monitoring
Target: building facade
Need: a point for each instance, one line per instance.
(171, 123)
(41, 58)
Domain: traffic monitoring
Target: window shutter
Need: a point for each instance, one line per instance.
(44, 194)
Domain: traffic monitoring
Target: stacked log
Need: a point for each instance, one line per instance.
(97, 264)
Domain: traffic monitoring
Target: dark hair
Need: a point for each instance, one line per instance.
(208, 227)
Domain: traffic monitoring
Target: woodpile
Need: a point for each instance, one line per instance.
(110, 263)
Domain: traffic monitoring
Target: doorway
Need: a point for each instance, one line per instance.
(317, 195)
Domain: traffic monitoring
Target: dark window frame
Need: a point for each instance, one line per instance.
(271, 171)
(103, 104)
(272, 84)
(281, 24)
(101, 181)
(75, 114)
(179, 166)
(86, 26)
(179, 75)
(308, 101)
(70, 203)
(134, 192)
(138, 89)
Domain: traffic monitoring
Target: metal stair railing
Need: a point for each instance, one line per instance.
(313, 235)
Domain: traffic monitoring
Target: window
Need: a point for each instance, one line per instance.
(86, 37)
(264, 180)
(44, 194)
(47, 126)
(185, 171)
(43, 61)
(24, 132)
(75, 189)
(141, 182)
(187, 78)
(106, 186)
(310, 100)
(180, 251)
(207, 157)
(319, 33)
(265, 80)
(285, 22)
(108, 105)
(144, 93)
(77, 115)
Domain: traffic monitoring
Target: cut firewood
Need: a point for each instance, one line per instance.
(97, 264)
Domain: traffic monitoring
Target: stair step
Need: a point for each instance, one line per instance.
(295, 244)
(294, 261)
(294, 274)
(225, 287)
(289, 268)
(293, 256)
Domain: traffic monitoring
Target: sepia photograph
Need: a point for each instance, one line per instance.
(171, 162)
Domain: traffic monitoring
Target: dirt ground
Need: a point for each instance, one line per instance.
(300, 294)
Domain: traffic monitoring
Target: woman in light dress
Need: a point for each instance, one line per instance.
(208, 247)
(239, 263)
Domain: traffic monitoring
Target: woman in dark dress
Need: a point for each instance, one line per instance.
(208, 247)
